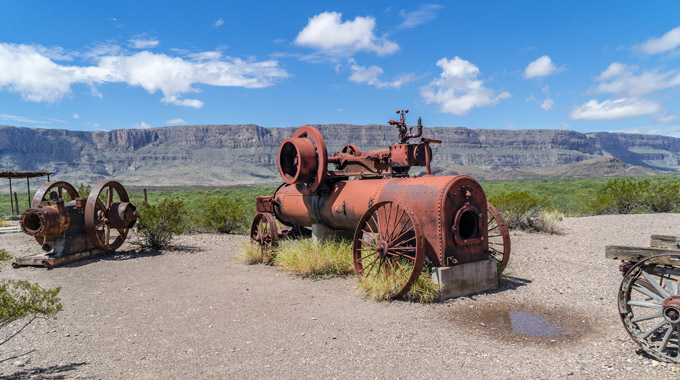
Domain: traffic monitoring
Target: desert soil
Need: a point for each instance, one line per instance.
(195, 312)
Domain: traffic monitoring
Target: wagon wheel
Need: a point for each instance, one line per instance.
(265, 234)
(499, 238)
(649, 304)
(321, 154)
(97, 209)
(388, 244)
(53, 191)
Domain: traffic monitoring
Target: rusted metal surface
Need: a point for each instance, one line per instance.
(649, 295)
(353, 190)
(66, 225)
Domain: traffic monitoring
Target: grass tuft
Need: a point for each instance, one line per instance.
(379, 288)
(323, 260)
(4, 223)
(251, 254)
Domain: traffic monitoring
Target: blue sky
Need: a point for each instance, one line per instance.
(586, 66)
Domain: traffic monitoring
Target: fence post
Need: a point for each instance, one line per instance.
(145, 198)
(11, 203)
(16, 202)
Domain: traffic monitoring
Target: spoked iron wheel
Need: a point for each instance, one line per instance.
(499, 238)
(388, 246)
(649, 304)
(264, 233)
(53, 191)
(101, 204)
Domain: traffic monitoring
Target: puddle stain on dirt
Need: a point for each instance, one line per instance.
(522, 323)
(527, 323)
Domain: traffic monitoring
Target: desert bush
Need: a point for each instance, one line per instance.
(4, 223)
(628, 196)
(84, 190)
(223, 214)
(21, 299)
(308, 259)
(523, 211)
(159, 223)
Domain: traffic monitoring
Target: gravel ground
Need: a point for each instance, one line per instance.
(194, 312)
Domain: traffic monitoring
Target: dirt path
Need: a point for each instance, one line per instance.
(197, 313)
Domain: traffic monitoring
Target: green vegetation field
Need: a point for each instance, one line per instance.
(570, 197)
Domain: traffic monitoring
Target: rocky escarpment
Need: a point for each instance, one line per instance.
(235, 154)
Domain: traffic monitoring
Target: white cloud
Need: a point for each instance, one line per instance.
(673, 131)
(425, 14)
(565, 125)
(667, 42)
(219, 22)
(371, 76)
(541, 67)
(328, 33)
(177, 121)
(547, 104)
(665, 118)
(613, 109)
(141, 42)
(37, 78)
(20, 119)
(102, 49)
(141, 125)
(76, 116)
(457, 90)
(621, 79)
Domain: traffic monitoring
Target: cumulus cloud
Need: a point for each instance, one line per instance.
(669, 41)
(622, 79)
(24, 70)
(613, 109)
(423, 15)
(547, 104)
(142, 42)
(76, 116)
(371, 76)
(178, 121)
(541, 67)
(328, 33)
(219, 22)
(458, 89)
(673, 131)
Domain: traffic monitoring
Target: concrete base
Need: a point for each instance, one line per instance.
(464, 279)
(321, 233)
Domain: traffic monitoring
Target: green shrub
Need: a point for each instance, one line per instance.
(252, 254)
(22, 299)
(5, 256)
(628, 196)
(523, 211)
(223, 214)
(84, 190)
(159, 223)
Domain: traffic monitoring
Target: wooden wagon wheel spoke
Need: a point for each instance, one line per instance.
(650, 308)
(394, 253)
(499, 240)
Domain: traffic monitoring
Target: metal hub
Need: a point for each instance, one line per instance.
(671, 310)
(382, 248)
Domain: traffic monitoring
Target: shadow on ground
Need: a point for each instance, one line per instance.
(54, 372)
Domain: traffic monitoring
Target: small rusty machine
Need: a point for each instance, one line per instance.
(399, 221)
(649, 295)
(70, 228)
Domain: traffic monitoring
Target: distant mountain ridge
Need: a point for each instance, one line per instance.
(218, 155)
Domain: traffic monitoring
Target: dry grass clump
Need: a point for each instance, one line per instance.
(252, 254)
(4, 223)
(379, 288)
(523, 211)
(325, 259)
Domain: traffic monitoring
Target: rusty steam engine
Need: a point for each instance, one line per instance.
(399, 221)
(70, 227)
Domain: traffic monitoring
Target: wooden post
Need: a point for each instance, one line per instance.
(11, 203)
(16, 202)
(28, 185)
(48, 178)
(145, 198)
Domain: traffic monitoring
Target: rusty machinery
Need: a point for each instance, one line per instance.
(649, 295)
(70, 227)
(399, 221)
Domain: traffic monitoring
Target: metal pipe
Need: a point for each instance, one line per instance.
(11, 203)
